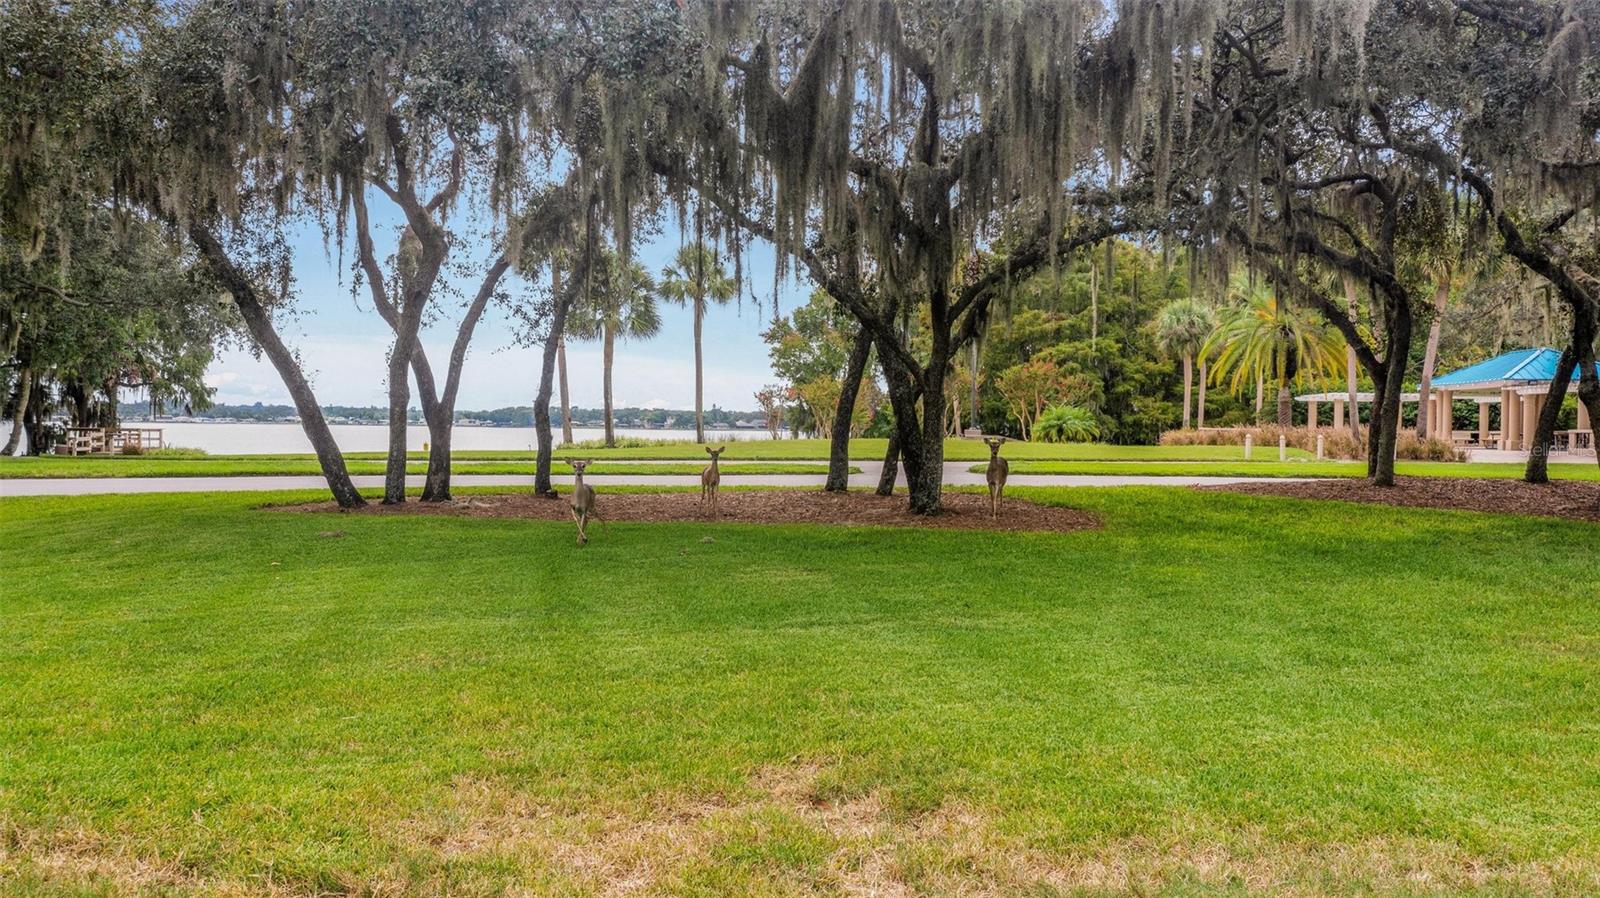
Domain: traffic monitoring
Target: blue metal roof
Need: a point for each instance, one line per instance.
(1521, 365)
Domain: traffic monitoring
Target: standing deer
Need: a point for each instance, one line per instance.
(583, 504)
(710, 479)
(999, 470)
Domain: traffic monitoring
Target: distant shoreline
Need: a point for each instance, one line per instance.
(139, 419)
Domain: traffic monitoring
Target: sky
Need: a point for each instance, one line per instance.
(343, 345)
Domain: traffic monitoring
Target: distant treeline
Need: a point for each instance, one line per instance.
(510, 416)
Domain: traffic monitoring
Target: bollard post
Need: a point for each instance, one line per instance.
(1283, 448)
(1322, 448)
(1249, 444)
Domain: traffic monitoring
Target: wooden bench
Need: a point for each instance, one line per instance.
(108, 440)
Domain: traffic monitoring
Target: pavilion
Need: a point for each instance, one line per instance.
(1517, 381)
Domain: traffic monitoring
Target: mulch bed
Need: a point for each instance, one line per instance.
(962, 511)
(1578, 500)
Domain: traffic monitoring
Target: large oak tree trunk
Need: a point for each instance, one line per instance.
(905, 442)
(259, 323)
(839, 447)
(438, 419)
(405, 343)
(891, 466)
(927, 481)
(541, 402)
(442, 420)
(1578, 356)
(24, 392)
(1544, 430)
(1386, 420)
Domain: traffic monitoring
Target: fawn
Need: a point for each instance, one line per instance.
(999, 469)
(583, 504)
(710, 479)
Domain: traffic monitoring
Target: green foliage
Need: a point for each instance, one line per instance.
(809, 348)
(697, 279)
(126, 311)
(1183, 327)
(1099, 327)
(812, 341)
(620, 299)
(1066, 424)
(1260, 338)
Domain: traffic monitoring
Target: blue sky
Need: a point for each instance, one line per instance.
(343, 344)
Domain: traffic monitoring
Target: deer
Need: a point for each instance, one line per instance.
(583, 504)
(999, 470)
(710, 479)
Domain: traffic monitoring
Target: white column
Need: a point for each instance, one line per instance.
(1483, 423)
(1530, 419)
(1446, 419)
(1510, 420)
(1338, 414)
(1311, 414)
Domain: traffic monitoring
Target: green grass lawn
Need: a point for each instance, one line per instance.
(1305, 468)
(246, 465)
(1213, 694)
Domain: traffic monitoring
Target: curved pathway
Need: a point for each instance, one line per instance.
(955, 474)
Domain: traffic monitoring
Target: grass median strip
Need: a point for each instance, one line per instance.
(250, 466)
(1291, 469)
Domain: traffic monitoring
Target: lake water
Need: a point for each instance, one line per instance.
(245, 439)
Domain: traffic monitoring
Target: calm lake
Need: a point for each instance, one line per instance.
(243, 439)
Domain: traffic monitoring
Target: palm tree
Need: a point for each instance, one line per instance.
(1181, 330)
(1441, 251)
(620, 302)
(1066, 424)
(695, 279)
(1266, 338)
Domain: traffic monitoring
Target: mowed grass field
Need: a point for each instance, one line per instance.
(1210, 695)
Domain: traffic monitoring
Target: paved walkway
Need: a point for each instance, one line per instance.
(955, 474)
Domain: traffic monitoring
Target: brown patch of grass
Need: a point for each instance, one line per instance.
(78, 861)
(957, 850)
(790, 832)
(962, 511)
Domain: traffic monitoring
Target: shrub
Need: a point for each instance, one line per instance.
(647, 442)
(175, 452)
(1411, 448)
(1337, 443)
(132, 449)
(1066, 424)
